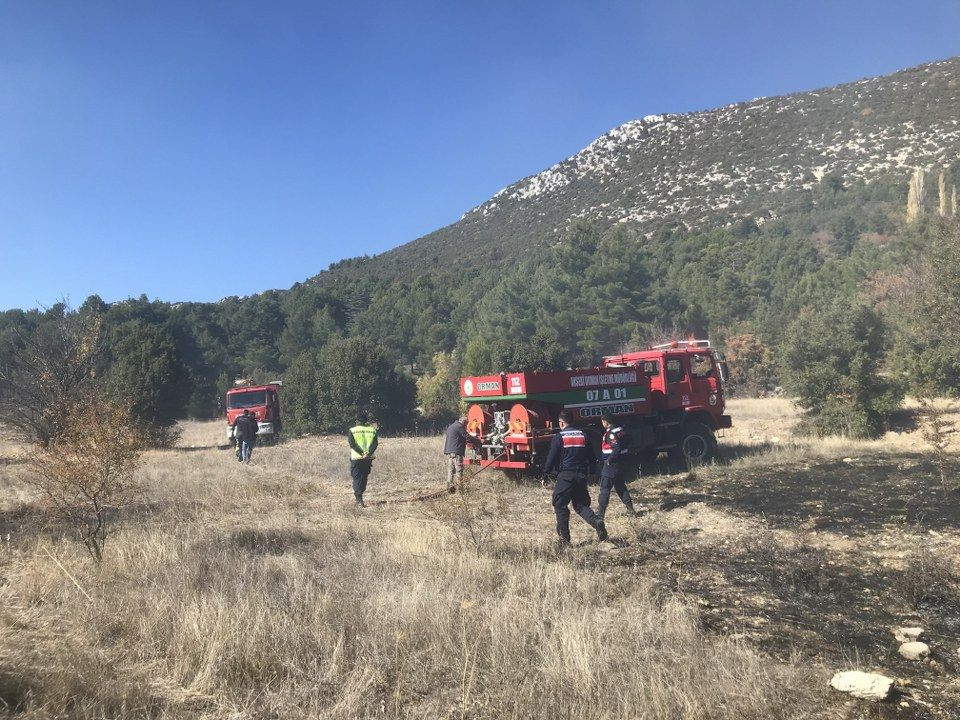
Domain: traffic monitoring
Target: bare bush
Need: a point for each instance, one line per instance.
(46, 370)
(753, 369)
(86, 472)
(936, 433)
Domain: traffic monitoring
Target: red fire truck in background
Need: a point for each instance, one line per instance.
(669, 397)
(263, 402)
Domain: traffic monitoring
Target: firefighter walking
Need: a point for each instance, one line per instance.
(571, 454)
(362, 438)
(616, 466)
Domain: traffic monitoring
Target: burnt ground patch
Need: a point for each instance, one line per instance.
(859, 497)
(802, 601)
(835, 606)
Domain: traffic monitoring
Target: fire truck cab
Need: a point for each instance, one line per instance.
(263, 402)
(686, 376)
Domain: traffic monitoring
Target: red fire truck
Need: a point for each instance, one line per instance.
(263, 402)
(670, 397)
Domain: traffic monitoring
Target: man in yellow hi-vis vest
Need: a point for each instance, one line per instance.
(363, 443)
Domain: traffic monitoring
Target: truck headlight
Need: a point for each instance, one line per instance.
(713, 398)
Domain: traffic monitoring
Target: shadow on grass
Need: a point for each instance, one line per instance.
(19, 520)
(727, 453)
(197, 448)
(905, 420)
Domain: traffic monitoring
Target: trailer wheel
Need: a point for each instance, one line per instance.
(697, 445)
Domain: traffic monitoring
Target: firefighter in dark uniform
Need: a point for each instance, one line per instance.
(616, 465)
(363, 439)
(571, 454)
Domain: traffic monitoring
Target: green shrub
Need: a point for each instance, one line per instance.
(438, 393)
(831, 362)
(325, 390)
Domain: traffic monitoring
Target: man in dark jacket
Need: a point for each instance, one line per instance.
(245, 432)
(571, 454)
(455, 447)
(616, 465)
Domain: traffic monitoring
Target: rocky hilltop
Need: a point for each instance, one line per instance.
(711, 166)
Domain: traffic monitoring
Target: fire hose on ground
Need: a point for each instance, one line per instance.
(439, 492)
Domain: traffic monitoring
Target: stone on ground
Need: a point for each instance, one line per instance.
(914, 650)
(907, 634)
(863, 685)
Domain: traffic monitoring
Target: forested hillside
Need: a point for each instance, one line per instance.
(727, 223)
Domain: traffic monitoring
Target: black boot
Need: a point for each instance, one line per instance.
(601, 530)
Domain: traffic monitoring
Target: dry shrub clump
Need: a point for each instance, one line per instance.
(474, 512)
(929, 581)
(86, 471)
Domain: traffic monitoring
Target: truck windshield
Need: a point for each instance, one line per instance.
(247, 399)
(700, 366)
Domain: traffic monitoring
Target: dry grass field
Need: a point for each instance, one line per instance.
(259, 591)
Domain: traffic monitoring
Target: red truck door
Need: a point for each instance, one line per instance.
(703, 378)
(677, 379)
(273, 409)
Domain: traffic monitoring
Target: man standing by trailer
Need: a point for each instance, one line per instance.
(363, 439)
(616, 466)
(571, 454)
(455, 447)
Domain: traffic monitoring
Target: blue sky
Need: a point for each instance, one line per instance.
(194, 150)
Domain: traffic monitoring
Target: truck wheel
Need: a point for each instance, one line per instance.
(697, 444)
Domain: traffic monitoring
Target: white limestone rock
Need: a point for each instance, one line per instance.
(863, 685)
(914, 650)
(907, 634)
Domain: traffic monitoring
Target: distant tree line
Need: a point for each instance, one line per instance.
(837, 297)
